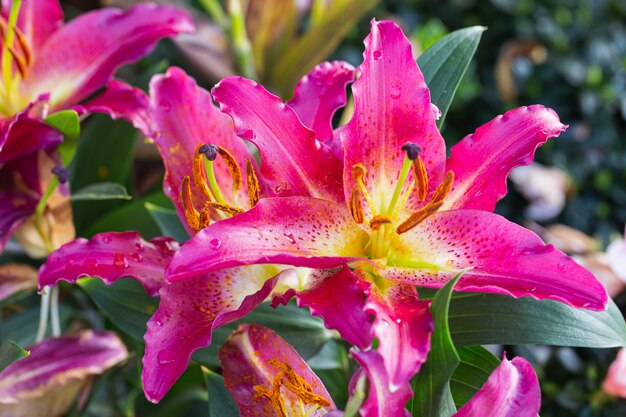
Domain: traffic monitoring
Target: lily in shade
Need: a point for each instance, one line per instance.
(48, 381)
(48, 66)
(267, 378)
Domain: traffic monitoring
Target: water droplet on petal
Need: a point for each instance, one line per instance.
(290, 238)
(106, 239)
(377, 55)
(215, 243)
(166, 357)
(165, 105)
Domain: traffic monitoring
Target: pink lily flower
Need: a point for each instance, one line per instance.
(182, 120)
(615, 381)
(267, 378)
(47, 382)
(49, 66)
(399, 215)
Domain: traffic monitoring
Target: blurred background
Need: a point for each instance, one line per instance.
(565, 54)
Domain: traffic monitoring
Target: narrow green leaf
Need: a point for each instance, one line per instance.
(168, 222)
(477, 363)
(9, 353)
(444, 65)
(125, 303)
(221, 403)
(431, 386)
(102, 191)
(481, 319)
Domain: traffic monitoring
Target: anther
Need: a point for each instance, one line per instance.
(199, 174)
(356, 208)
(62, 174)
(191, 214)
(254, 191)
(378, 221)
(421, 178)
(412, 150)
(233, 168)
(223, 207)
(209, 150)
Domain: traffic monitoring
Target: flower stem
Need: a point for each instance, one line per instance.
(8, 41)
(241, 43)
(39, 211)
(54, 312)
(215, 10)
(43, 315)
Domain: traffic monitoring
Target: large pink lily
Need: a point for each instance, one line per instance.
(267, 378)
(407, 217)
(47, 66)
(182, 120)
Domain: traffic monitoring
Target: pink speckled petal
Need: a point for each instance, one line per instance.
(298, 231)
(110, 256)
(498, 257)
(15, 278)
(512, 390)
(47, 382)
(319, 95)
(615, 381)
(482, 160)
(251, 359)
(81, 57)
(403, 326)
(184, 117)
(122, 101)
(37, 20)
(188, 313)
(335, 295)
(294, 162)
(381, 400)
(391, 107)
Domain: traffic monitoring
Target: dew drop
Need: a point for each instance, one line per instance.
(280, 189)
(166, 357)
(165, 105)
(377, 55)
(106, 239)
(215, 243)
(290, 238)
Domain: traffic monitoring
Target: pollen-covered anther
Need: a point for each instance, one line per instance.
(429, 209)
(233, 168)
(421, 178)
(378, 221)
(223, 207)
(356, 206)
(191, 214)
(254, 191)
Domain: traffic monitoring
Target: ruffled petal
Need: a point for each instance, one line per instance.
(381, 400)
(293, 161)
(110, 256)
(258, 364)
(403, 326)
(497, 256)
(319, 95)
(184, 117)
(512, 390)
(22, 135)
(15, 278)
(334, 295)
(482, 161)
(296, 231)
(122, 101)
(38, 19)
(187, 314)
(391, 107)
(48, 381)
(81, 57)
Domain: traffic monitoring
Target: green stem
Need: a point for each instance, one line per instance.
(54, 312)
(8, 41)
(404, 173)
(215, 188)
(241, 43)
(39, 211)
(215, 10)
(43, 315)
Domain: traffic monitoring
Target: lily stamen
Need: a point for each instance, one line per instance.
(412, 153)
(358, 174)
(254, 190)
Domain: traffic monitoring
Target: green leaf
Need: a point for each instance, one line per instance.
(68, 123)
(102, 191)
(221, 403)
(125, 303)
(432, 384)
(168, 222)
(481, 319)
(9, 353)
(477, 363)
(445, 63)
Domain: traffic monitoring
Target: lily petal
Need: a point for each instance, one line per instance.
(47, 381)
(187, 314)
(185, 117)
(482, 161)
(381, 401)
(298, 231)
(319, 95)
(512, 390)
(498, 257)
(258, 364)
(15, 278)
(294, 162)
(38, 19)
(403, 326)
(22, 135)
(122, 101)
(615, 381)
(110, 256)
(391, 107)
(80, 57)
